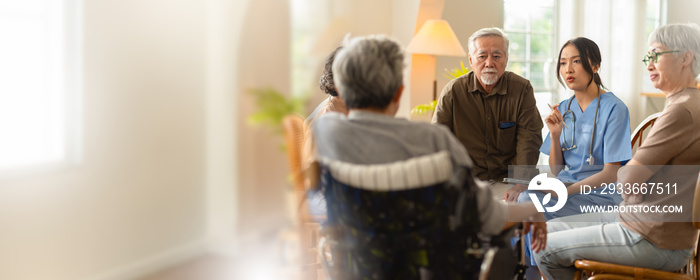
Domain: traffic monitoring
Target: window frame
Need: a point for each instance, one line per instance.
(550, 86)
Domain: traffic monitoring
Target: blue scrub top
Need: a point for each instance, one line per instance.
(612, 136)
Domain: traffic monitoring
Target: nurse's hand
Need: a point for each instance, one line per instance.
(554, 121)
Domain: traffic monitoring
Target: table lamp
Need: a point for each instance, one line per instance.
(436, 38)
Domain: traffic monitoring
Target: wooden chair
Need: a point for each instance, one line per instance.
(293, 128)
(600, 270)
(638, 133)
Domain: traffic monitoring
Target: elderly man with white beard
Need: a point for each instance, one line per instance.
(492, 112)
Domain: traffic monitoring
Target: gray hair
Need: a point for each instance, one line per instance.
(680, 36)
(368, 71)
(488, 32)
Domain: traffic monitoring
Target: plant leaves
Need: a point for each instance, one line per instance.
(456, 72)
(422, 109)
(272, 106)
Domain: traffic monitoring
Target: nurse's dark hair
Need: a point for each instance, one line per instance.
(590, 56)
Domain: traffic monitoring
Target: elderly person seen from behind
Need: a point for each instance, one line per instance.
(661, 241)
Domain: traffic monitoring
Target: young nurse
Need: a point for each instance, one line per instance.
(589, 133)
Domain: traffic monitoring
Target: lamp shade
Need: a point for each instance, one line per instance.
(436, 38)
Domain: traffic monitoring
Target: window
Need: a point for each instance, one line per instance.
(309, 17)
(655, 17)
(37, 82)
(530, 25)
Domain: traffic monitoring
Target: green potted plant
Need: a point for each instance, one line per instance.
(272, 106)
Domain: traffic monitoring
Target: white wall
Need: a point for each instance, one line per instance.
(139, 189)
(682, 11)
(263, 61)
(403, 29)
(359, 18)
(225, 24)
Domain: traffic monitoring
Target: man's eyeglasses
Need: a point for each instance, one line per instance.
(654, 56)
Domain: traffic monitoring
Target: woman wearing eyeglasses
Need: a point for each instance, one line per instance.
(589, 133)
(644, 238)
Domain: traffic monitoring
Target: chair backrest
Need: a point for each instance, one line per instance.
(293, 129)
(398, 220)
(696, 205)
(694, 263)
(645, 125)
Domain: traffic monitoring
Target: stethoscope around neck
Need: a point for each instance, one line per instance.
(590, 160)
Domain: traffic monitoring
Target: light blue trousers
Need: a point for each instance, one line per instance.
(574, 202)
(601, 238)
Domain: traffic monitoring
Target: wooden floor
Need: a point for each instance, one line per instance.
(224, 268)
(273, 260)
